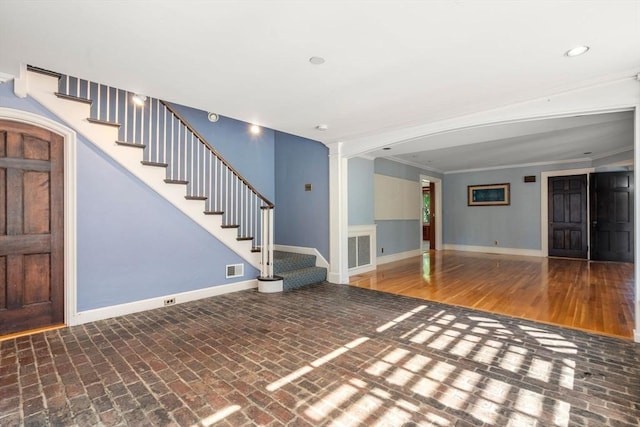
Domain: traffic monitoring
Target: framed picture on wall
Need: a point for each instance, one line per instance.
(488, 195)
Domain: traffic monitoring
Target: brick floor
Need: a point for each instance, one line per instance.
(324, 355)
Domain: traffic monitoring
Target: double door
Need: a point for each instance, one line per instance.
(609, 232)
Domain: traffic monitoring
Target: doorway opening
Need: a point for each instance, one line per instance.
(431, 203)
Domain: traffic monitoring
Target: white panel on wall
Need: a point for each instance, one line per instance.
(396, 198)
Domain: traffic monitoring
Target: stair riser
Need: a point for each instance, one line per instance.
(304, 279)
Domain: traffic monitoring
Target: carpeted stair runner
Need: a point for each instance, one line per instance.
(297, 270)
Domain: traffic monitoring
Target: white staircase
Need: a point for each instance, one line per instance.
(76, 113)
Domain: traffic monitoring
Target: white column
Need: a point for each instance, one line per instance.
(338, 221)
(636, 237)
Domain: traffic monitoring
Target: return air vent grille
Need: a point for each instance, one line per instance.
(235, 270)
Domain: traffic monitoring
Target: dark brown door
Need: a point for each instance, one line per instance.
(432, 219)
(568, 216)
(612, 216)
(31, 227)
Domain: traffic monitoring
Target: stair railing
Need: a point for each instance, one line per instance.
(170, 141)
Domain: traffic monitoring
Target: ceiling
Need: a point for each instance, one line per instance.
(388, 64)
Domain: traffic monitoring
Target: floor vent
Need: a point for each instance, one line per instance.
(235, 270)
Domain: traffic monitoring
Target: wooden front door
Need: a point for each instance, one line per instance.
(568, 216)
(612, 216)
(31, 227)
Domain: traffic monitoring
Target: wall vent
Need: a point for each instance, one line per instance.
(235, 270)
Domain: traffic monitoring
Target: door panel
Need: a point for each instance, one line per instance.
(612, 222)
(31, 227)
(568, 216)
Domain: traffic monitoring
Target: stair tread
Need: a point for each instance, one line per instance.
(103, 122)
(286, 261)
(130, 144)
(73, 98)
(158, 164)
(299, 271)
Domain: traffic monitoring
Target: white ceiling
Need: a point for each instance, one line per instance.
(389, 64)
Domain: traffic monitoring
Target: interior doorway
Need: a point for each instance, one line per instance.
(431, 203)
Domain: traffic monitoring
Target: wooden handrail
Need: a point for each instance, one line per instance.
(215, 153)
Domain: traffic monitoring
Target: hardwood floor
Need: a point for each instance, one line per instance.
(592, 296)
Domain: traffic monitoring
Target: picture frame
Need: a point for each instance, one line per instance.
(489, 195)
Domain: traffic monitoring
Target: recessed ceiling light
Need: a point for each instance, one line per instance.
(576, 51)
(387, 148)
(316, 60)
(254, 129)
(139, 99)
(213, 117)
(322, 127)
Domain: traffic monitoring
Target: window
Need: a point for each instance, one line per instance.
(426, 206)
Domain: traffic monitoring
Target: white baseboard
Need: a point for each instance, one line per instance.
(636, 336)
(320, 261)
(157, 302)
(336, 278)
(363, 269)
(397, 257)
(494, 250)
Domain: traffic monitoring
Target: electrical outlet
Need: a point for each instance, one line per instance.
(169, 301)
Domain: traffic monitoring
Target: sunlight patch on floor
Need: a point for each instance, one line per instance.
(482, 396)
(219, 416)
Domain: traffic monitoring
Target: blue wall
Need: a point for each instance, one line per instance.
(131, 243)
(397, 236)
(360, 188)
(513, 226)
(251, 155)
(301, 217)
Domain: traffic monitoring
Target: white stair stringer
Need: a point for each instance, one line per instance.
(42, 88)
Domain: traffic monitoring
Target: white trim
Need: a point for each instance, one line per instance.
(158, 302)
(397, 257)
(270, 286)
(494, 250)
(20, 84)
(338, 209)
(414, 164)
(365, 230)
(5, 77)
(522, 165)
(636, 223)
(544, 204)
(320, 260)
(70, 194)
(619, 94)
(363, 269)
